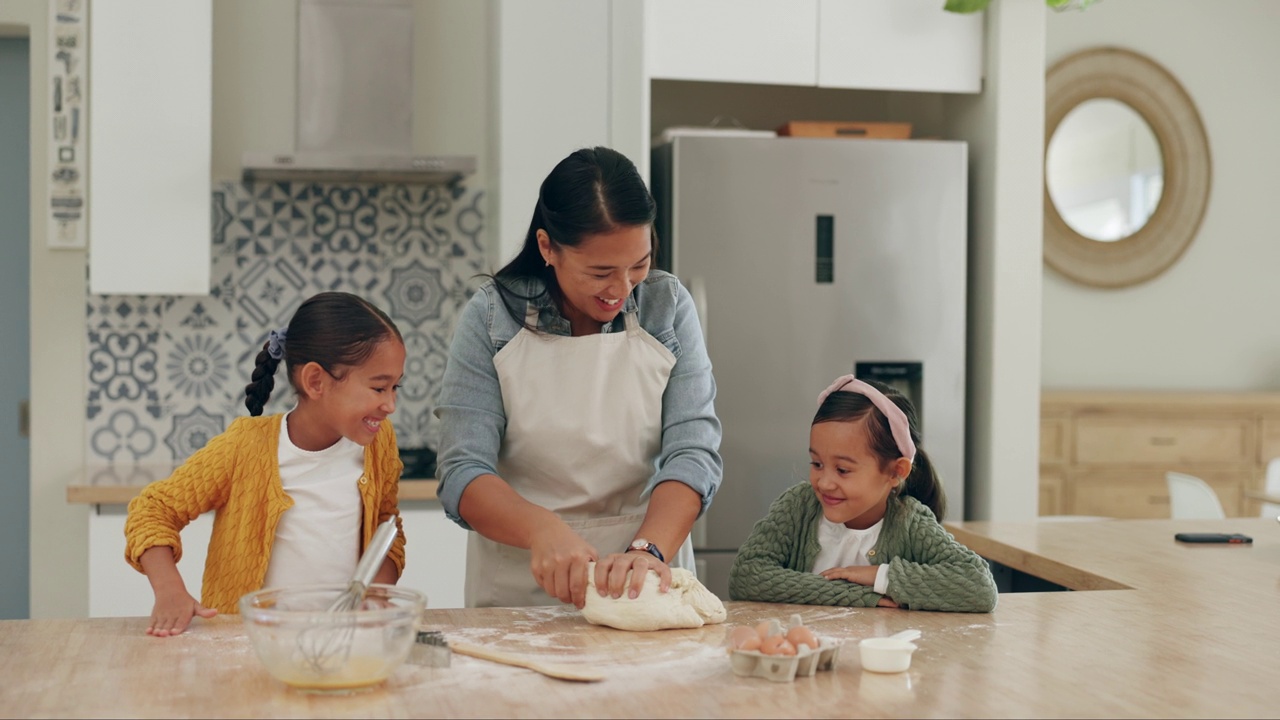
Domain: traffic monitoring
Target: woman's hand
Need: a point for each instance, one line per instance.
(859, 574)
(611, 574)
(559, 562)
(173, 612)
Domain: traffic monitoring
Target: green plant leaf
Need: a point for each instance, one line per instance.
(966, 6)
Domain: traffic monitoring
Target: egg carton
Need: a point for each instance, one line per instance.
(785, 668)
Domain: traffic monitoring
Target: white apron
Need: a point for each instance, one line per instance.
(584, 428)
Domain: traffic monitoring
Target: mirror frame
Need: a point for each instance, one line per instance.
(1149, 89)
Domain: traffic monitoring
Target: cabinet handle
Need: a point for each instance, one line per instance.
(1164, 441)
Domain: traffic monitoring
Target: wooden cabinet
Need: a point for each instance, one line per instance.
(1106, 453)
(911, 45)
(149, 175)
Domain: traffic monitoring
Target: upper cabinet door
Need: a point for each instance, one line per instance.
(149, 181)
(749, 41)
(898, 45)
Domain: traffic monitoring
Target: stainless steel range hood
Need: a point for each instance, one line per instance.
(354, 118)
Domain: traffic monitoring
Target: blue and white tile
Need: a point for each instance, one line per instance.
(125, 312)
(190, 431)
(165, 373)
(125, 434)
(345, 219)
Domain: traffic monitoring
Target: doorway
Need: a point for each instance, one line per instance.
(15, 330)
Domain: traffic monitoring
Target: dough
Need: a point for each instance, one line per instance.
(688, 604)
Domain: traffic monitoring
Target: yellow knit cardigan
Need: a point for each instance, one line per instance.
(237, 474)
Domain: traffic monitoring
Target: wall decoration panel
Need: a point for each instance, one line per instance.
(166, 373)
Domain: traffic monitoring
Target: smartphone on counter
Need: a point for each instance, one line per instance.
(1234, 538)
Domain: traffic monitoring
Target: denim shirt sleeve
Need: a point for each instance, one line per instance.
(472, 417)
(690, 429)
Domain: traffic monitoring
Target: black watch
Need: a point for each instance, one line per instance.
(646, 546)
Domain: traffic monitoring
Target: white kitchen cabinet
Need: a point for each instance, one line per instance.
(898, 45)
(435, 559)
(911, 45)
(748, 41)
(150, 78)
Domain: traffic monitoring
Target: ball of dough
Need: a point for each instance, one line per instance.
(688, 604)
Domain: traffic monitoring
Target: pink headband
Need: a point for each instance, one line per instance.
(897, 419)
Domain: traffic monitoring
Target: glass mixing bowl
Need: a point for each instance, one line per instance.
(311, 649)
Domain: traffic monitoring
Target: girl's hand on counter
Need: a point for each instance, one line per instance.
(611, 574)
(859, 574)
(886, 602)
(559, 562)
(173, 612)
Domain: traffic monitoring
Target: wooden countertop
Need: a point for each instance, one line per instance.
(118, 484)
(1196, 633)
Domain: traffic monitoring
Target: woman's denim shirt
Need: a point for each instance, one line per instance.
(473, 420)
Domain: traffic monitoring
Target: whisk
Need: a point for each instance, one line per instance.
(326, 646)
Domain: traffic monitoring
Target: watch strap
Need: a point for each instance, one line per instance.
(647, 547)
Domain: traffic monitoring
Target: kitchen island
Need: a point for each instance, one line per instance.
(1171, 630)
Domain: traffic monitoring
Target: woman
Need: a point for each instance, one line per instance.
(577, 409)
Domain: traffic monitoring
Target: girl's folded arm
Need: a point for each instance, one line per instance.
(946, 576)
(760, 573)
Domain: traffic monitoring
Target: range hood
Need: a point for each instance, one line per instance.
(355, 101)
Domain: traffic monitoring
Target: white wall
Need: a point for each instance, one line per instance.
(1005, 130)
(542, 111)
(1206, 322)
(59, 532)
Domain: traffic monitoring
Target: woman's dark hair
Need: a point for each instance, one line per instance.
(922, 483)
(333, 329)
(592, 191)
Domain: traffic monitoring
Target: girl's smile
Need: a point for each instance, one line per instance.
(353, 404)
(846, 477)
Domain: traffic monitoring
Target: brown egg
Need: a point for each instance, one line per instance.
(801, 635)
(763, 629)
(751, 643)
(772, 645)
(786, 648)
(741, 635)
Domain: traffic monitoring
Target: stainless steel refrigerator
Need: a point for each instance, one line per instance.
(808, 259)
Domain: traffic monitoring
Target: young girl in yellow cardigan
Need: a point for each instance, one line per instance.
(297, 495)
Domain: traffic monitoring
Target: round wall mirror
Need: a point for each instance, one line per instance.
(1127, 168)
(1103, 170)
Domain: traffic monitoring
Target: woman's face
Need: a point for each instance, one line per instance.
(597, 276)
(846, 476)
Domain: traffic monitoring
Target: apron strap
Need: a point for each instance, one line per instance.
(631, 322)
(531, 315)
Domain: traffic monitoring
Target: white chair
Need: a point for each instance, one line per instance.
(1272, 488)
(1191, 498)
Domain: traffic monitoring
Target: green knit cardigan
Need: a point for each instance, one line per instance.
(928, 568)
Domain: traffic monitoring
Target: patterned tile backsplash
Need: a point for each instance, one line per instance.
(166, 373)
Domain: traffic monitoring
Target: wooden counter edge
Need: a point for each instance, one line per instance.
(1072, 578)
(122, 494)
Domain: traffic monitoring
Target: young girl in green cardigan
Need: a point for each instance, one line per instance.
(864, 530)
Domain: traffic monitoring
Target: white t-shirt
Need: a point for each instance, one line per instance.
(840, 546)
(318, 539)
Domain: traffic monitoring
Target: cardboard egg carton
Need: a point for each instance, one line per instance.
(785, 668)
